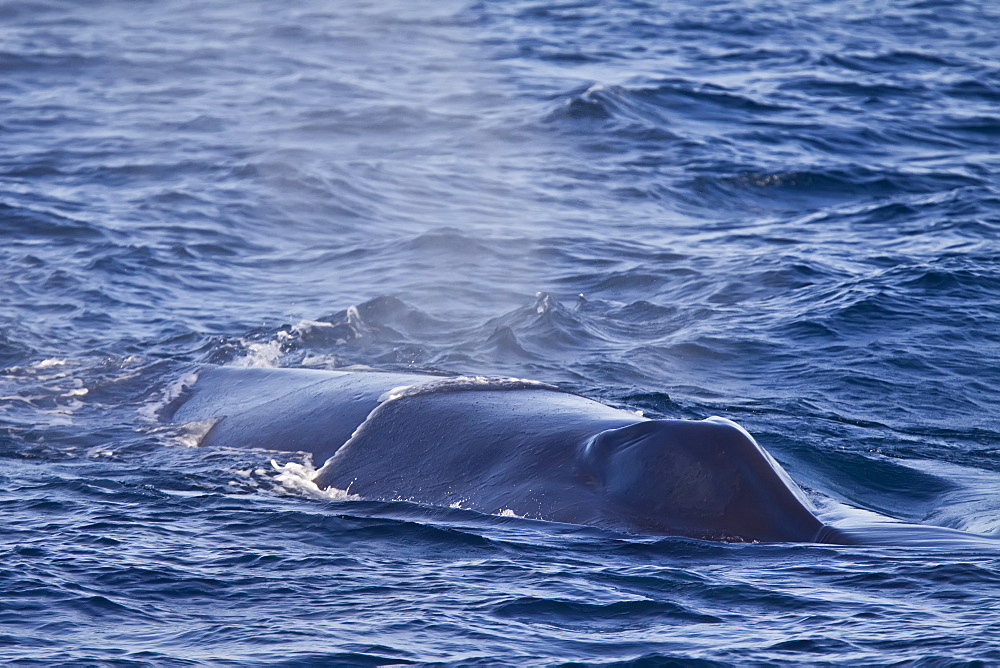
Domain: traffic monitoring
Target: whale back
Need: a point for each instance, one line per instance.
(503, 446)
(562, 457)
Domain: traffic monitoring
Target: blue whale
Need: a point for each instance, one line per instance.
(508, 446)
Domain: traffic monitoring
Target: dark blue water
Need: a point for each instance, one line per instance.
(784, 213)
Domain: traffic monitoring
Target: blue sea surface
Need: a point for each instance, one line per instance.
(783, 213)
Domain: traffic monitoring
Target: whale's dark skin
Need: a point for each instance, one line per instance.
(531, 450)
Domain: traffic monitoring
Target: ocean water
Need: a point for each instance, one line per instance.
(783, 213)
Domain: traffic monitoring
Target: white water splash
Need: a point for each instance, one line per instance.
(152, 409)
(263, 355)
(299, 479)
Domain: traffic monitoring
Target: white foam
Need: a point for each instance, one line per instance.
(306, 326)
(355, 322)
(151, 410)
(262, 355)
(45, 364)
(45, 370)
(544, 303)
(299, 479)
(325, 361)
